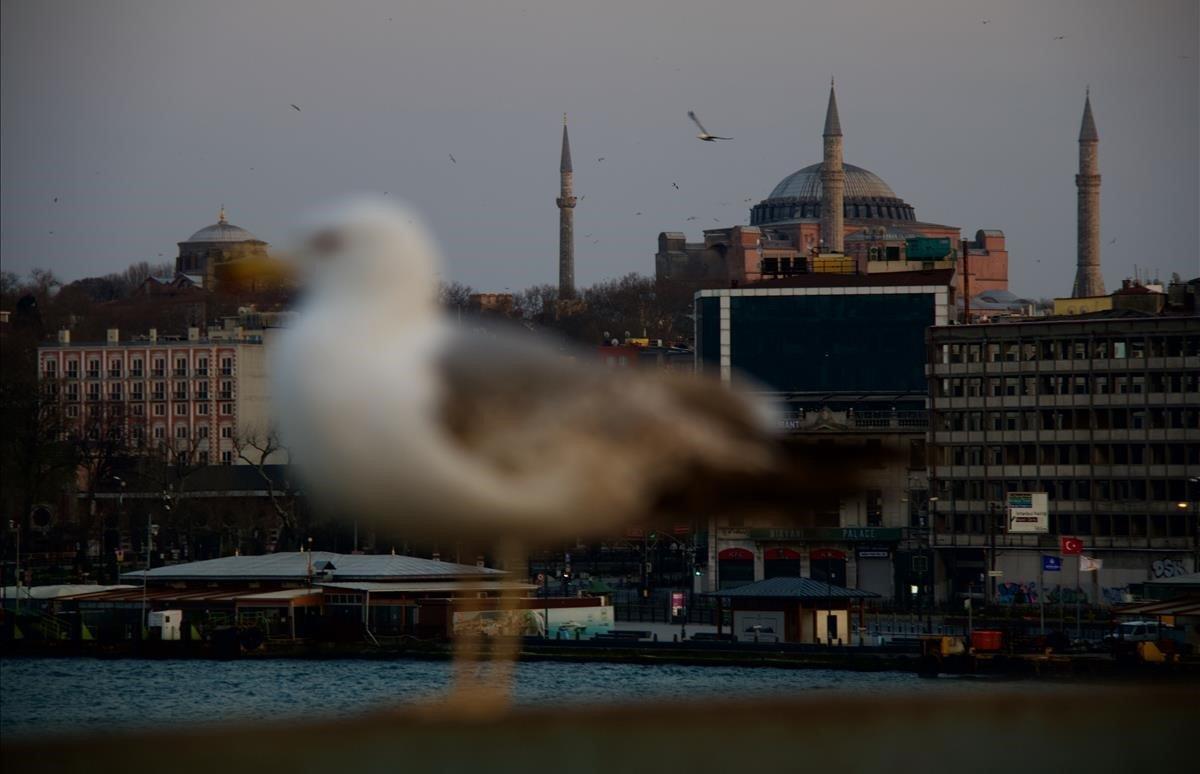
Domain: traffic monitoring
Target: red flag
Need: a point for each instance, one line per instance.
(1071, 546)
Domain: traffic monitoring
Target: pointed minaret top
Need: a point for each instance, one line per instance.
(833, 125)
(565, 164)
(221, 215)
(1087, 130)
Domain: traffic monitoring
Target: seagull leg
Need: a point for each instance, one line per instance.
(505, 649)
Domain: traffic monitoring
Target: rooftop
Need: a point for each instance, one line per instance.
(794, 588)
(294, 566)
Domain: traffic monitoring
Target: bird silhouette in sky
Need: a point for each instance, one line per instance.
(704, 135)
(1060, 37)
(452, 159)
(296, 107)
(601, 158)
(676, 186)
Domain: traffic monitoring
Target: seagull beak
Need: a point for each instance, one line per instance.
(256, 273)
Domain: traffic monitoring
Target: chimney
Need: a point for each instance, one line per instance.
(64, 336)
(154, 335)
(112, 336)
(193, 334)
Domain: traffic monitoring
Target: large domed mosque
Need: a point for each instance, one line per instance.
(795, 231)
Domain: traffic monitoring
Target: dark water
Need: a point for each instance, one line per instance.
(39, 696)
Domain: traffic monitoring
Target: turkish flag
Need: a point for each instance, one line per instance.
(1071, 546)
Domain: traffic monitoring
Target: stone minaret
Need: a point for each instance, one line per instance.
(566, 221)
(1088, 280)
(833, 180)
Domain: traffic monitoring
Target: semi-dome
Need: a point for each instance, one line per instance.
(866, 197)
(806, 183)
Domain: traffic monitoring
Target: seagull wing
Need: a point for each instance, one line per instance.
(601, 446)
(696, 121)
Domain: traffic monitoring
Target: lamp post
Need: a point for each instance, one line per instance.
(1194, 503)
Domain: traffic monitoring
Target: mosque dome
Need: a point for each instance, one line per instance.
(806, 183)
(798, 196)
(222, 232)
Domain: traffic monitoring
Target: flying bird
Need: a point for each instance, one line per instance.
(452, 159)
(704, 135)
(693, 217)
(676, 186)
(1060, 37)
(56, 200)
(601, 158)
(1114, 241)
(637, 213)
(297, 107)
(447, 432)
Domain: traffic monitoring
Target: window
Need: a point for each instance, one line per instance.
(181, 431)
(51, 368)
(203, 458)
(160, 410)
(226, 431)
(160, 391)
(181, 409)
(202, 432)
(181, 391)
(72, 392)
(114, 369)
(226, 366)
(139, 410)
(874, 508)
(227, 409)
(201, 390)
(135, 367)
(73, 369)
(226, 458)
(114, 391)
(202, 367)
(160, 367)
(226, 391)
(202, 409)
(93, 392)
(181, 366)
(73, 412)
(916, 454)
(137, 391)
(160, 432)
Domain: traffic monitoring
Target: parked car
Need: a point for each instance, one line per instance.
(1141, 631)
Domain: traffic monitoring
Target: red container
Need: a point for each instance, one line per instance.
(986, 639)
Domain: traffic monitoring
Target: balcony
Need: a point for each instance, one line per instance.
(72, 373)
(136, 373)
(227, 371)
(180, 373)
(93, 373)
(114, 373)
(158, 373)
(226, 395)
(202, 371)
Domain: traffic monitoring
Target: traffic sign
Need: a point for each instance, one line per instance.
(1051, 563)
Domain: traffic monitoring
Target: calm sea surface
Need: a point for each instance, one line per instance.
(47, 696)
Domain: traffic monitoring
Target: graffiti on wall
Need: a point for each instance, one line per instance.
(1166, 568)
(1028, 593)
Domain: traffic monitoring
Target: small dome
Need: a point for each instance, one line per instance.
(806, 184)
(222, 231)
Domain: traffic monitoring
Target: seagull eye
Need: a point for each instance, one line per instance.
(326, 243)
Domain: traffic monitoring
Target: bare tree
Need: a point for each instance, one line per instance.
(257, 448)
(454, 295)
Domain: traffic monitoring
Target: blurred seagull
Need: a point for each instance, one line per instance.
(601, 158)
(676, 186)
(297, 107)
(704, 135)
(1060, 37)
(444, 432)
(452, 159)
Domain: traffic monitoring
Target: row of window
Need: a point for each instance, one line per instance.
(1137, 525)
(1184, 418)
(1086, 348)
(1173, 490)
(136, 368)
(137, 391)
(158, 409)
(1071, 454)
(1077, 384)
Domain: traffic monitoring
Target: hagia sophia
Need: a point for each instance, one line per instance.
(791, 232)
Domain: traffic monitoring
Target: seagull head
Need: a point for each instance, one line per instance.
(371, 250)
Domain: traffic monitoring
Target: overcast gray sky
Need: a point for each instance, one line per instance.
(143, 117)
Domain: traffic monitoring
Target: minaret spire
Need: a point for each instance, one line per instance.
(1088, 279)
(566, 220)
(833, 180)
(221, 215)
